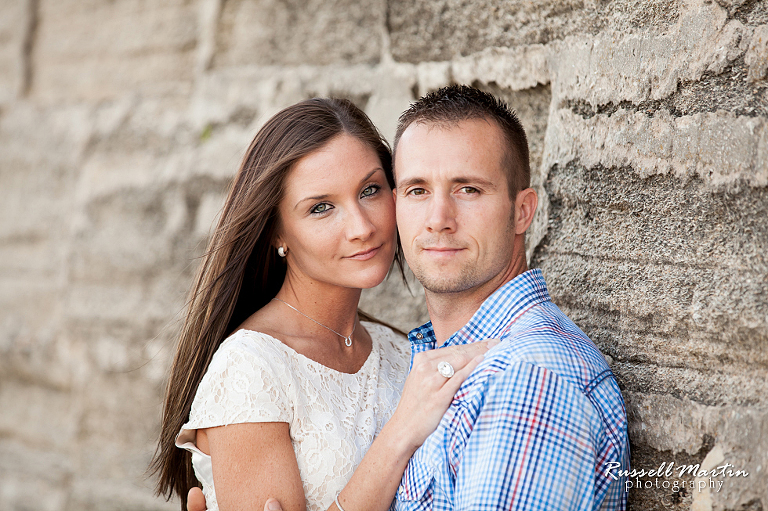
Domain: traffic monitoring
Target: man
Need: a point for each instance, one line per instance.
(539, 421)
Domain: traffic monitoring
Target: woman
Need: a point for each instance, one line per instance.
(290, 403)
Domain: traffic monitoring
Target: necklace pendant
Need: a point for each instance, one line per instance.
(348, 341)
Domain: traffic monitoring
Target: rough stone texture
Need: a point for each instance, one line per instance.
(657, 181)
(445, 29)
(299, 32)
(95, 50)
(14, 30)
(121, 124)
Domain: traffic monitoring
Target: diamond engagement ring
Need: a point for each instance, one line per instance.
(445, 369)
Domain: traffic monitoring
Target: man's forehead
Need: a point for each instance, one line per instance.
(447, 143)
(437, 125)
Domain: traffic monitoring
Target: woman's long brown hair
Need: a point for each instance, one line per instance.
(241, 271)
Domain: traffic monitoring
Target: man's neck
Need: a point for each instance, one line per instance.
(449, 312)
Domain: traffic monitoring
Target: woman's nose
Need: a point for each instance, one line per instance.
(360, 226)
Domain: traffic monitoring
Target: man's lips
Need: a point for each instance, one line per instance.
(441, 251)
(364, 255)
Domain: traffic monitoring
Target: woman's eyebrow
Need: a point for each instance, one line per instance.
(312, 198)
(326, 195)
(371, 173)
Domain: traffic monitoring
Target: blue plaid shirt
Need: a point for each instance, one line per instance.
(534, 426)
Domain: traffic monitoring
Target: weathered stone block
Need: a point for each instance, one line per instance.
(666, 429)
(101, 49)
(664, 272)
(518, 68)
(614, 66)
(446, 29)
(757, 55)
(105, 247)
(14, 28)
(33, 477)
(290, 33)
(720, 147)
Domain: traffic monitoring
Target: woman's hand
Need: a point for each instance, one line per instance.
(427, 393)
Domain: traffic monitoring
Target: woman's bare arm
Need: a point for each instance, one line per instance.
(253, 462)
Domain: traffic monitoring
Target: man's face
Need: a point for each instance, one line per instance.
(454, 213)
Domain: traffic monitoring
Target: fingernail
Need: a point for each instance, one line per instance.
(273, 505)
(493, 343)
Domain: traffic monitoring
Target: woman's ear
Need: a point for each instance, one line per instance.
(277, 236)
(279, 244)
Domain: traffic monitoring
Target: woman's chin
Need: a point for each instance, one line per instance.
(371, 278)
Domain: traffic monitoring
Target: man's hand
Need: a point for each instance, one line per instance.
(196, 501)
(272, 505)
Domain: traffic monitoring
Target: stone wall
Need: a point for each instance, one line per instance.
(121, 123)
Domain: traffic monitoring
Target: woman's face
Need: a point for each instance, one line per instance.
(337, 216)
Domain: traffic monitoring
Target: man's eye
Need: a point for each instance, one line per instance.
(320, 208)
(370, 190)
(469, 189)
(417, 191)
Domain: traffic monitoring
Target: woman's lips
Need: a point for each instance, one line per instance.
(364, 255)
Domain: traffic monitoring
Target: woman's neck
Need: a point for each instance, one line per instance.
(333, 306)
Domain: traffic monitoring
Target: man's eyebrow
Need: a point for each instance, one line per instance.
(457, 180)
(410, 182)
(474, 180)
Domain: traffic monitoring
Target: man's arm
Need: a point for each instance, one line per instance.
(533, 446)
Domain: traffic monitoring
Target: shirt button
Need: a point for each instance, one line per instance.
(401, 492)
(419, 336)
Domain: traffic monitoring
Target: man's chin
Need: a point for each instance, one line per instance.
(438, 284)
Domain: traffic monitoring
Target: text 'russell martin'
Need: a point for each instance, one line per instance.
(667, 470)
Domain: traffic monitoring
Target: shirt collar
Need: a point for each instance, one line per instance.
(497, 312)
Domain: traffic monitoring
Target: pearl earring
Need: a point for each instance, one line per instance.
(281, 251)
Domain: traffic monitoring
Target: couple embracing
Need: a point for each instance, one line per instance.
(283, 395)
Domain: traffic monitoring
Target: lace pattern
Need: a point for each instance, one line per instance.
(333, 417)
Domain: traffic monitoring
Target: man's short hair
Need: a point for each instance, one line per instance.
(448, 106)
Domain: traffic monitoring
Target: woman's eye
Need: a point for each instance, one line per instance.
(370, 190)
(320, 208)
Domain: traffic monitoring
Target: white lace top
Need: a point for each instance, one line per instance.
(333, 416)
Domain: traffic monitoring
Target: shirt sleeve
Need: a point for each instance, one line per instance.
(533, 445)
(243, 384)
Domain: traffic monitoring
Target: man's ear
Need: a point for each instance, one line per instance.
(525, 207)
(394, 194)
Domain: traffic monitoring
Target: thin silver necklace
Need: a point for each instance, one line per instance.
(347, 340)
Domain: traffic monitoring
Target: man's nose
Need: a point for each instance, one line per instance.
(442, 214)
